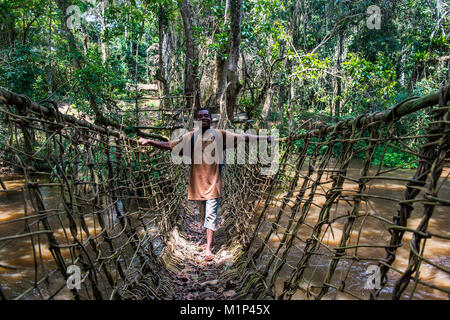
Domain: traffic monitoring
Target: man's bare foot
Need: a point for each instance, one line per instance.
(209, 256)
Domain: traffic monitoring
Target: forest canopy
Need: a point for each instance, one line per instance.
(282, 61)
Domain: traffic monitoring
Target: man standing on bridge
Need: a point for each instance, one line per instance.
(205, 179)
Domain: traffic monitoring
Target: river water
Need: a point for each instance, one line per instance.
(367, 231)
(17, 264)
(17, 257)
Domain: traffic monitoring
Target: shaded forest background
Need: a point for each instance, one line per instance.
(280, 62)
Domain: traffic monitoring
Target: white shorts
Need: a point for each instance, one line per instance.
(209, 209)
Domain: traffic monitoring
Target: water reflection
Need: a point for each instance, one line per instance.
(368, 230)
(22, 257)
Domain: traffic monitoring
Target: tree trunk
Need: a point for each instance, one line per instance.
(27, 28)
(338, 85)
(191, 82)
(163, 53)
(267, 103)
(136, 56)
(78, 61)
(285, 90)
(221, 81)
(50, 64)
(7, 29)
(403, 66)
(233, 57)
(103, 5)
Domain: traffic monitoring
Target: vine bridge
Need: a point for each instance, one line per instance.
(89, 196)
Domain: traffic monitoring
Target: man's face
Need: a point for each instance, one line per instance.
(205, 117)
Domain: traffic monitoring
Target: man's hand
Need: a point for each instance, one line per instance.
(143, 141)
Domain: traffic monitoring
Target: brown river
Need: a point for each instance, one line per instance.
(17, 264)
(368, 231)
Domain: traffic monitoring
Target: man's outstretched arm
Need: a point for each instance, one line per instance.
(231, 140)
(163, 145)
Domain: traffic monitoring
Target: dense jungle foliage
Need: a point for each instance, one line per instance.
(280, 62)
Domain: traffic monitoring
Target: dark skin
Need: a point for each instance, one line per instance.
(205, 117)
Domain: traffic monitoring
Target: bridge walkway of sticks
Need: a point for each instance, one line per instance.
(122, 219)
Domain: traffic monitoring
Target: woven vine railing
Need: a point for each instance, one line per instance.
(312, 230)
(319, 230)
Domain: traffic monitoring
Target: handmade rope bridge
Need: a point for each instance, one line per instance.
(89, 198)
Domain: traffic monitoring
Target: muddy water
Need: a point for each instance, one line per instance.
(17, 264)
(369, 231)
(18, 261)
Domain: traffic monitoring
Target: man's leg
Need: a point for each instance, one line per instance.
(210, 224)
(201, 207)
(209, 241)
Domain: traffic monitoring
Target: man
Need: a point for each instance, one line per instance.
(205, 180)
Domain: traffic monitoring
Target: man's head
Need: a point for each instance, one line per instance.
(204, 115)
